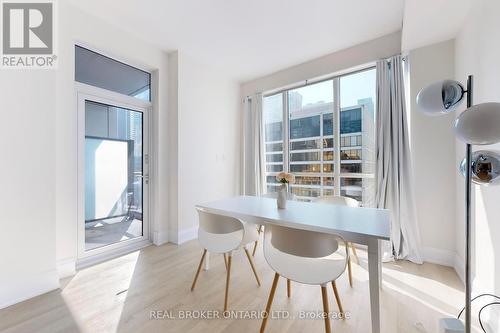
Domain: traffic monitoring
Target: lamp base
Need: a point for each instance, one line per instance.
(451, 325)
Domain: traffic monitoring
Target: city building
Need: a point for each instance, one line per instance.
(311, 151)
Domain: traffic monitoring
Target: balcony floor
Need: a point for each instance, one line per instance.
(112, 230)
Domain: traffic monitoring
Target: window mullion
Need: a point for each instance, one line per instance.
(336, 135)
(286, 136)
(321, 128)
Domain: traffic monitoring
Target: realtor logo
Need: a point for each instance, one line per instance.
(28, 34)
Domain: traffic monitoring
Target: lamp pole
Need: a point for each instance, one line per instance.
(440, 98)
(468, 177)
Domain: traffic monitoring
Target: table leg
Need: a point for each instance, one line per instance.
(375, 280)
(207, 261)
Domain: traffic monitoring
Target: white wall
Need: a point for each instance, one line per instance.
(431, 140)
(79, 27)
(478, 53)
(195, 142)
(192, 100)
(39, 201)
(424, 24)
(433, 156)
(27, 198)
(208, 140)
(364, 53)
(173, 145)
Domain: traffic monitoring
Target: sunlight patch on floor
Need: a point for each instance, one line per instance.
(113, 291)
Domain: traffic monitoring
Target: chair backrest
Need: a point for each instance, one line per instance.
(218, 224)
(302, 243)
(304, 256)
(218, 233)
(338, 200)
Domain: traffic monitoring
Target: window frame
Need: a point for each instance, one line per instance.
(83, 93)
(125, 62)
(337, 174)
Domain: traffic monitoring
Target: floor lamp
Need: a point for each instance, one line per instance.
(477, 125)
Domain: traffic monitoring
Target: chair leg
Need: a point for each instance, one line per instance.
(254, 247)
(199, 269)
(288, 288)
(269, 302)
(326, 310)
(253, 267)
(349, 270)
(354, 252)
(256, 242)
(337, 298)
(228, 276)
(225, 260)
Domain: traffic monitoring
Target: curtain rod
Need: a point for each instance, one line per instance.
(319, 79)
(322, 78)
(403, 57)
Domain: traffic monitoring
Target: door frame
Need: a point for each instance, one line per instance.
(85, 92)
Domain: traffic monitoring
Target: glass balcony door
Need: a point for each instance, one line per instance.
(113, 173)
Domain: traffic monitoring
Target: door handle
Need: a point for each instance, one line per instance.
(144, 177)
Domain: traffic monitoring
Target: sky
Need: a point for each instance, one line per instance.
(352, 87)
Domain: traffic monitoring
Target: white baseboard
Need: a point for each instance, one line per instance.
(160, 237)
(459, 267)
(66, 267)
(439, 256)
(28, 287)
(445, 258)
(185, 235)
(182, 236)
(173, 236)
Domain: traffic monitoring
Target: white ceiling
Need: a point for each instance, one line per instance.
(251, 38)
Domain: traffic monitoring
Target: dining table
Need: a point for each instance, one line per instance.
(360, 225)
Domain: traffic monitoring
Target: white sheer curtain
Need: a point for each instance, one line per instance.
(394, 174)
(253, 146)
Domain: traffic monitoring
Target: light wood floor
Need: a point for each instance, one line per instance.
(118, 295)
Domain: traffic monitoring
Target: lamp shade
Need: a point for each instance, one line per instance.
(440, 97)
(485, 167)
(479, 124)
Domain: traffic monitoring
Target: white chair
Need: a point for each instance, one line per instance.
(342, 201)
(271, 195)
(223, 234)
(274, 195)
(306, 257)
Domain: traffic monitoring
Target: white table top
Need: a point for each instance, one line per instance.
(354, 224)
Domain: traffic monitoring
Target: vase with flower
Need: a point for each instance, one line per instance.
(285, 179)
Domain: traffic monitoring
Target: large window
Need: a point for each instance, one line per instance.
(328, 140)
